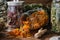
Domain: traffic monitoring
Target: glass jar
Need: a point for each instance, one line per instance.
(14, 11)
(55, 13)
(58, 17)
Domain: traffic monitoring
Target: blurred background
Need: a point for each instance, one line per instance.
(44, 2)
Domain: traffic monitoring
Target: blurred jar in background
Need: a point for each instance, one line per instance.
(55, 16)
(14, 12)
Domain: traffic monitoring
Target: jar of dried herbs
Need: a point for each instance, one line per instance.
(55, 16)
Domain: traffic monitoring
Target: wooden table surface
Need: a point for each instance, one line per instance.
(44, 37)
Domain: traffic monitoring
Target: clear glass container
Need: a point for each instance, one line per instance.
(14, 12)
(55, 16)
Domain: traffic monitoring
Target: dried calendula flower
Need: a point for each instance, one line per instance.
(26, 26)
(38, 19)
(15, 32)
(33, 22)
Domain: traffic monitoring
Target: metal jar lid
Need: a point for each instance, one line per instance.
(15, 3)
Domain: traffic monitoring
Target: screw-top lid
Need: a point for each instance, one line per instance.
(15, 3)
